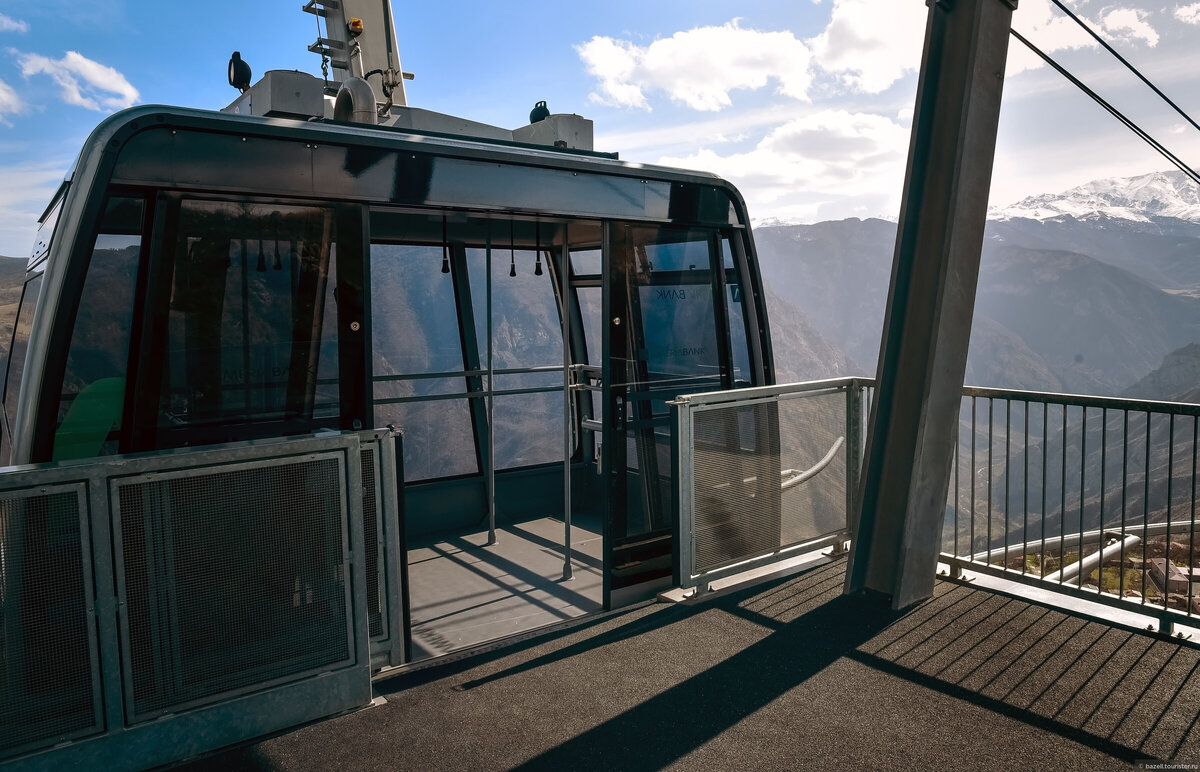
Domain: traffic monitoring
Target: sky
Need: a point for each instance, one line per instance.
(805, 105)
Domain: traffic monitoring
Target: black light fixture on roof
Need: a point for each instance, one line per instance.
(239, 72)
(512, 250)
(537, 239)
(445, 248)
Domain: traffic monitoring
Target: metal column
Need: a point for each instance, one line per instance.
(922, 359)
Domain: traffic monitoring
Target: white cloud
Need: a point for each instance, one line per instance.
(698, 67)
(822, 155)
(615, 63)
(31, 184)
(1189, 14)
(26, 191)
(648, 142)
(10, 103)
(1048, 29)
(9, 24)
(1130, 24)
(1051, 30)
(82, 81)
(869, 44)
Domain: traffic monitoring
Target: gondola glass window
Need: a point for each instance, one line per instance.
(93, 392)
(738, 345)
(525, 347)
(251, 322)
(673, 273)
(419, 382)
(16, 364)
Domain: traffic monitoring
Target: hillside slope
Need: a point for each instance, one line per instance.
(1045, 319)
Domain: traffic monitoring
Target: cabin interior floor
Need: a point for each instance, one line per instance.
(464, 592)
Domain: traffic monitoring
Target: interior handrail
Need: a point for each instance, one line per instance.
(802, 477)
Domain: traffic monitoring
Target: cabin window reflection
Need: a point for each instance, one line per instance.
(586, 262)
(17, 352)
(47, 228)
(91, 404)
(678, 315)
(735, 309)
(252, 325)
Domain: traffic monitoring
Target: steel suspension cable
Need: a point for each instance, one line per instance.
(1158, 146)
(1125, 62)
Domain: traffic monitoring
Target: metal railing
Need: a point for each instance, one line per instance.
(1087, 496)
(763, 473)
(1090, 496)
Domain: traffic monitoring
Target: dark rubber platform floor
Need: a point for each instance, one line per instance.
(788, 674)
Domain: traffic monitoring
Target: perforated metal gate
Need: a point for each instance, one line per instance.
(154, 608)
(49, 677)
(383, 557)
(372, 525)
(231, 579)
(763, 473)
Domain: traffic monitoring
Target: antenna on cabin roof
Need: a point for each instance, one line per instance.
(359, 41)
(361, 82)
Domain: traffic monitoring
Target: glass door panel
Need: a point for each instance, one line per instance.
(665, 335)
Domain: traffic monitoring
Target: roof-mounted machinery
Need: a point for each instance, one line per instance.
(363, 83)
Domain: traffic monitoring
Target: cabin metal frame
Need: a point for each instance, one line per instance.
(476, 202)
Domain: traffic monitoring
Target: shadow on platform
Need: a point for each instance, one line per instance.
(786, 674)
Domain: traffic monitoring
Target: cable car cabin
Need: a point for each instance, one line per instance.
(522, 314)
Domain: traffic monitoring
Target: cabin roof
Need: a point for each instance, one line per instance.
(120, 126)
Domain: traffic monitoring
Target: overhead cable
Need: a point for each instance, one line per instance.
(1123, 61)
(1183, 167)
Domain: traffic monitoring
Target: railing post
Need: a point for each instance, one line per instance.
(854, 406)
(1166, 624)
(684, 499)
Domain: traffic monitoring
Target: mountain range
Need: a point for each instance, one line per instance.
(1087, 291)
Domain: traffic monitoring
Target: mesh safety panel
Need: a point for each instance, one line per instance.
(736, 484)
(46, 677)
(741, 512)
(372, 523)
(809, 428)
(232, 579)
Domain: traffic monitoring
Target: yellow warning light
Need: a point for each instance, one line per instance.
(355, 26)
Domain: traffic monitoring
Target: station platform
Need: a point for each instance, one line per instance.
(786, 674)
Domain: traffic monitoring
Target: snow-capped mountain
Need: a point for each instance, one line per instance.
(775, 222)
(1160, 194)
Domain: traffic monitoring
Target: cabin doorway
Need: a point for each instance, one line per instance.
(474, 327)
(530, 364)
(666, 334)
